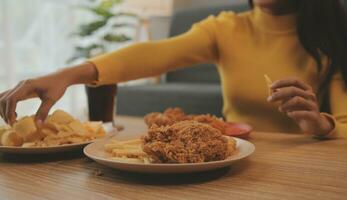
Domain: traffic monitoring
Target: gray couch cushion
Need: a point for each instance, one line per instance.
(204, 73)
(193, 98)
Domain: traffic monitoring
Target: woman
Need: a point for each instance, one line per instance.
(299, 43)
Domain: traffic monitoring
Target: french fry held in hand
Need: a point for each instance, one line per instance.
(268, 83)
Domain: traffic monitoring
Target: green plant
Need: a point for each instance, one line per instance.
(106, 16)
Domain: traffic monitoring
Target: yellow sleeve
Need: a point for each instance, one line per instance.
(154, 58)
(338, 99)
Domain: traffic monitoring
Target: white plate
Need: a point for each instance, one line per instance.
(110, 132)
(96, 152)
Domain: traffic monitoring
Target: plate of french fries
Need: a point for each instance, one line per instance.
(60, 132)
(127, 155)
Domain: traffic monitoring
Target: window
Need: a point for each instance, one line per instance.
(35, 39)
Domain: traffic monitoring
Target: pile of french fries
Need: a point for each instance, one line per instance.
(127, 151)
(58, 129)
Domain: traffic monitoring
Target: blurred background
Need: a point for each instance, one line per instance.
(41, 36)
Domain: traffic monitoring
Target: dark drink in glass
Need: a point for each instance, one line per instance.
(101, 103)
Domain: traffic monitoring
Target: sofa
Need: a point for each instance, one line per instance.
(195, 89)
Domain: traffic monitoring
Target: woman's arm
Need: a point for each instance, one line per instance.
(154, 58)
(140, 60)
(85, 73)
(49, 89)
(299, 102)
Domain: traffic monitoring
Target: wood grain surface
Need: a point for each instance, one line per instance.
(284, 166)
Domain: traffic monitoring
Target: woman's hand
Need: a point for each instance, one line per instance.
(299, 102)
(48, 88)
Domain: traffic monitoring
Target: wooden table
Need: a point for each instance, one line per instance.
(284, 166)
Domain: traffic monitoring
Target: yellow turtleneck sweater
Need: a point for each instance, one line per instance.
(245, 47)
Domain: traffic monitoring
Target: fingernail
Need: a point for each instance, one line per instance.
(280, 109)
(39, 123)
(269, 98)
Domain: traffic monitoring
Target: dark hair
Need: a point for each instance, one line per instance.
(322, 29)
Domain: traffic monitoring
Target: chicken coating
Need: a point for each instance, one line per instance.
(168, 117)
(174, 115)
(185, 142)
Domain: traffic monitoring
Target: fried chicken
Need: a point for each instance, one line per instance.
(210, 120)
(186, 142)
(174, 115)
(168, 117)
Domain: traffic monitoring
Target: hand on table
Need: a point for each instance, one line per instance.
(299, 102)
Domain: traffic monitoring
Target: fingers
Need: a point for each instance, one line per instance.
(11, 111)
(6, 101)
(10, 105)
(303, 115)
(43, 111)
(46, 88)
(10, 98)
(287, 93)
(295, 82)
(298, 103)
(312, 122)
(2, 94)
(3, 105)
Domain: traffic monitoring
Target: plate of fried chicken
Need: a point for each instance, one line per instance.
(174, 143)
